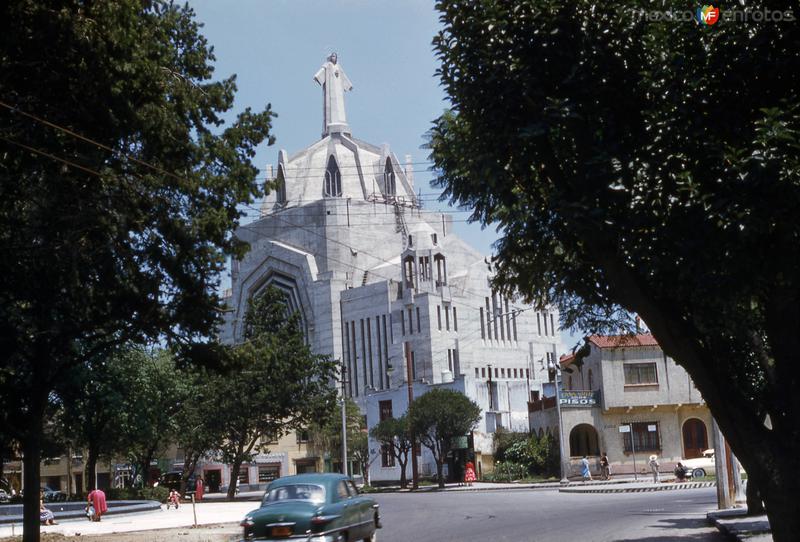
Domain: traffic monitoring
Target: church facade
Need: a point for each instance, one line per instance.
(386, 288)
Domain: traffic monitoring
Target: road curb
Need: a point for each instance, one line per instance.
(737, 525)
(661, 487)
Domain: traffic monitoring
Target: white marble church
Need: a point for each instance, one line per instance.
(374, 276)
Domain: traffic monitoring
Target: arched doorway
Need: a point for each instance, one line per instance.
(695, 438)
(583, 441)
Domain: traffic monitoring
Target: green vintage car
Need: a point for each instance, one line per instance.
(315, 507)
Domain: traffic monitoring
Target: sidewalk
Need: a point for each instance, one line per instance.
(615, 485)
(634, 487)
(208, 513)
(739, 526)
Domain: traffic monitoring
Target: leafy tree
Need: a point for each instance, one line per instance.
(649, 167)
(440, 416)
(194, 434)
(394, 434)
(326, 435)
(119, 190)
(156, 393)
(272, 384)
(93, 411)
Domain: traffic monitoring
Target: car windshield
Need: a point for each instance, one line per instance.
(298, 492)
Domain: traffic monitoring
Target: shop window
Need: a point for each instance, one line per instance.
(646, 437)
(269, 472)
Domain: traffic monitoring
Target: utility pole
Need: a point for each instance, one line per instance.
(633, 451)
(410, 385)
(344, 420)
(561, 447)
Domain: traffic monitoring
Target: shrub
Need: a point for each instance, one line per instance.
(159, 493)
(539, 456)
(505, 439)
(506, 471)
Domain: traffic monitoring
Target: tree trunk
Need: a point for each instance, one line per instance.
(91, 469)
(32, 448)
(189, 463)
(236, 466)
(69, 471)
(439, 468)
(403, 477)
(755, 506)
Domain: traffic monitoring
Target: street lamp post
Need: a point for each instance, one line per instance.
(410, 385)
(344, 420)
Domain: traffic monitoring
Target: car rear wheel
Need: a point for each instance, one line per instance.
(698, 473)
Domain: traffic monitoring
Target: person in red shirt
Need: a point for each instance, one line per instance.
(198, 489)
(469, 473)
(97, 502)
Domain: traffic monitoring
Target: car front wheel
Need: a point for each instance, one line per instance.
(374, 536)
(698, 473)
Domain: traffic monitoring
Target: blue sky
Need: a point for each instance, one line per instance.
(275, 47)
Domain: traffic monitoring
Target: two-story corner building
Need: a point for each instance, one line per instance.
(623, 396)
(375, 276)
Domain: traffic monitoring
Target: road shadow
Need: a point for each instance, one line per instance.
(675, 525)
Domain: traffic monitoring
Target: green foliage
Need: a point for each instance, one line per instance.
(155, 393)
(539, 456)
(326, 434)
(157, 493)
(640, 166)
(395, 435)
(504, 439)
(121, 185)
(271, 383)
(506, 471)
(440, 416)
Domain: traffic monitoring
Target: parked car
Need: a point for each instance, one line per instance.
(704, 465)
(317, 507)
(172, 480)
(53, 495)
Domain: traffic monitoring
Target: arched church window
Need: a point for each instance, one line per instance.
(408, 271)
(388, 178)
(441, 270)
(280, 186)
(333, 179)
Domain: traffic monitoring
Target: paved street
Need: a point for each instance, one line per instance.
(549, 516)
(510, 515)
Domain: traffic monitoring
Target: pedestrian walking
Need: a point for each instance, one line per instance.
(654, 467)
(96, 504)
(605, 467)
(198, 489)
(469, 473)
(585, 469)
